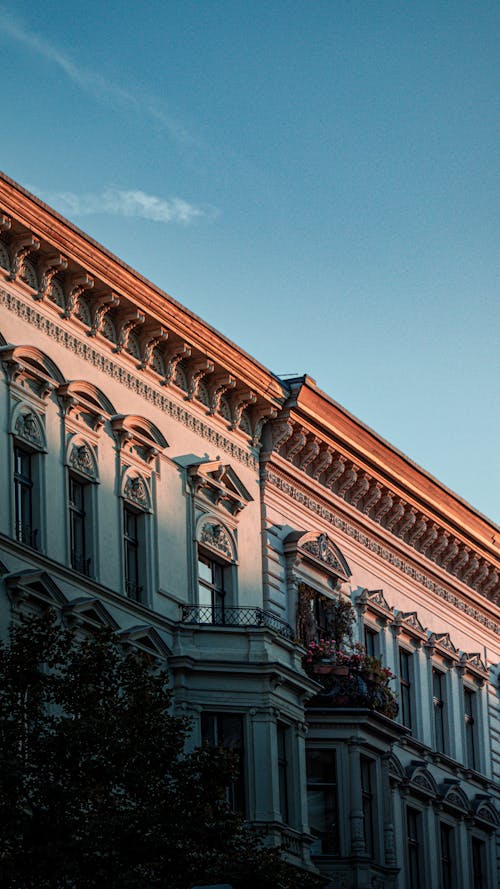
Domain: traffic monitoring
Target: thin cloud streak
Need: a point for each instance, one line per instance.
(127, 203)
(92, 82)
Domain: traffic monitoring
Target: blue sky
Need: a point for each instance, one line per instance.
(315, 179)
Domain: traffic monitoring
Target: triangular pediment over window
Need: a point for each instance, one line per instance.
(34, 588)
(218, 483)
(145, 639)
(90, 613)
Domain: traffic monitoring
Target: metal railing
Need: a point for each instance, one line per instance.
(235, 616)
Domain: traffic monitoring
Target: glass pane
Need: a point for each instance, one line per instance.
(322, 807)
(321, 767)
(205, 569)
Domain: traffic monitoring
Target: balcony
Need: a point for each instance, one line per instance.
(240, 616)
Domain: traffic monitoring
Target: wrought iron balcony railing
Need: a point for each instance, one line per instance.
(236, 616)
(26, 534)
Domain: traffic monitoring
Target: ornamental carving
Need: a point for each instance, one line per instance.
(82, 460)
(322, 549)
(216, 537)
(27, 427)
(136, 491)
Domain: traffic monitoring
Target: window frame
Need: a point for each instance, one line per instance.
(414, 846)
(439, 704)
(80, 562)
(406, 686)
(24, 488)
(283, 757)
(325, 787)
(447, 881)
(132, 545)
(237, 789)
(471, 726)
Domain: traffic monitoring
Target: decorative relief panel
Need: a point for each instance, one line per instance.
(28, 427)
(135, 490)
(82, 459)
(216, 537)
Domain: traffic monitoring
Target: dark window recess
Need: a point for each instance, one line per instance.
(322, 801)
(211, 590)
(131, 520)
(371, 640)
(405, 687)
(478, 864)
(283, 773)
(446, 843)
(226, 730)
(438, 692)
(414, 848)
(470, 728)
(78, 497)
(23, 497)
(368, 804)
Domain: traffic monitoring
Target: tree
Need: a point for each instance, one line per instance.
(95, 787)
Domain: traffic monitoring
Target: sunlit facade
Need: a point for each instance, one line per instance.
(158, 480)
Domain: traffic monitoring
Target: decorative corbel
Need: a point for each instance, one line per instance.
(174, 352)
(384, 505)
(308, 453)
(419, 528)
(127, 320)
(471, 569)
(149, 339)
(19, 249)
(407, 522)
(296, 443)
(260, 416)
(481, 575)
(395, 515)
(13, 369)
(440, 546)
(197, 368)
(361, 601)
(372, 497)
(359, 489)
(322, 461)
(281, 431)
(47, 269)
(336, 469)
(75, 285)
(218, 384)
(461, 561)
(100, 305)
(46, 389)
(451, 553)
(429, 538)
(5, 223)
(241, 399)
(67, 401)
(347, 480)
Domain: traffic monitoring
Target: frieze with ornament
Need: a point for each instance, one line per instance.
(125, 377)
(302, 497)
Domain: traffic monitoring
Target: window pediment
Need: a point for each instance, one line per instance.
(147, 640)
(421, 780)
(138, 438)
(318, 550)
(218, 483)
(454, 797)
(34, 588)
(84, 405)
(216, 538)
(30, 370)
(89, 613)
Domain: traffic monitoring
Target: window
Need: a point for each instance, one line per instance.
(283, 772)
(226, 730)
(471, 751)
(132, 521)
(446, 847)
(368, 804)
(79, 494)
(322, 801)
(415, 851)
(405, 672)
(438, 692)
(371, 641)
(478, 864)
(211, 590)
(23, 497)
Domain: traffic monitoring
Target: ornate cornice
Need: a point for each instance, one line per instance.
(300, 495)
(133, 381)
(358, 486)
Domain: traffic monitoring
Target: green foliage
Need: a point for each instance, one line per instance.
(95, 787)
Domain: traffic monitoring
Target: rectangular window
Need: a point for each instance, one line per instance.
(211, 591)
(78, 501)
(415, 851)
(322, 801)
(478, 864)
(405, 692)
(438, 692)
(470, 728)
(23, 497)
(283, 772)
(131, 539)
(371, 641)
(226, 730)
(368, 804)
(446, 847)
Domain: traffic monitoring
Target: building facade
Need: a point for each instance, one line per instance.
(157, 479)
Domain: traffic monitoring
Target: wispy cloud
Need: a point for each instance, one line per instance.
(132, 99)
(128, 203)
